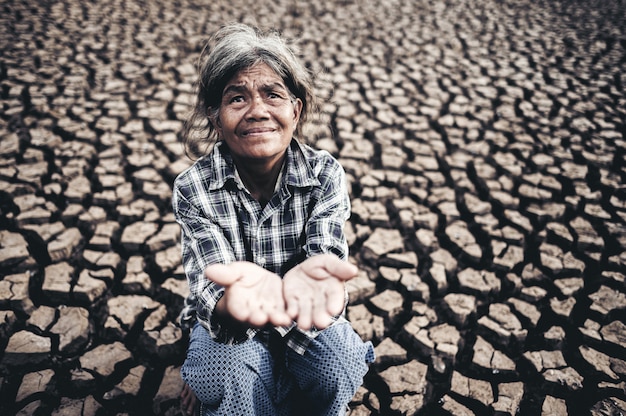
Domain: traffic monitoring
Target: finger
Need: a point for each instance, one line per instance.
(292, 306)
(187, 399)
(265, 312)
(272, 302)
(335, 299)
(321, 318)
(321, 266)
(258, 319)
(338, 268)
(277, 314)
(192, 405)
(305, 319)
(280, 319)
(187, 404)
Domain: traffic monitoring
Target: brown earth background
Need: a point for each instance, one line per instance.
(484, 143)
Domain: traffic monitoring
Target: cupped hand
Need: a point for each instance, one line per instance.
(314, 290)
(253, 295)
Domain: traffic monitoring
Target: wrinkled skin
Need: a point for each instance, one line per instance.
(310, 294)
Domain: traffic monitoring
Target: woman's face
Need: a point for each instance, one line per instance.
(257, 116)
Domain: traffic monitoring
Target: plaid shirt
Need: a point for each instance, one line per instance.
(222, 223)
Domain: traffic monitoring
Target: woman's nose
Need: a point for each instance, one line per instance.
(258, 108)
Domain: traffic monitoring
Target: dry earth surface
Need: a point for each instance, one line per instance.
(485, 145)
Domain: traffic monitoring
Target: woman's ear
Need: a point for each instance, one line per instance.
(214, 119)
(297, 109)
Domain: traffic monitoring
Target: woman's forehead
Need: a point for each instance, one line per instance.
(259, 74)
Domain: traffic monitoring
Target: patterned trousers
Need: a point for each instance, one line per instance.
(253, 379)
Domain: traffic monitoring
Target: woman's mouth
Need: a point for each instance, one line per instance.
(257, 131)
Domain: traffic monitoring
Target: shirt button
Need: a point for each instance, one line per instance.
(261, 261)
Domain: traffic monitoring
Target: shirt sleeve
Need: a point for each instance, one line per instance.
(325, 227)
(325, 233)
(203, 243)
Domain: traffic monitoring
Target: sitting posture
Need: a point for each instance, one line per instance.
(262, 217)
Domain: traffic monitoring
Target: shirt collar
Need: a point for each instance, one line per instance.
(297, 173)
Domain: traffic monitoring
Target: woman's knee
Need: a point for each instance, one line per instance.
(338, 358)
(211, 367)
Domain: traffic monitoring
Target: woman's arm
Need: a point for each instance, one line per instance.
(203, 243)
(327, 219)
(314, 290)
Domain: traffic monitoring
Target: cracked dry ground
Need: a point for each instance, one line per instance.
(484, 143)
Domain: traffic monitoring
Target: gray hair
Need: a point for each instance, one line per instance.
(231, 49)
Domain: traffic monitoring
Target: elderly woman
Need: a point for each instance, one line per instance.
(264, 251)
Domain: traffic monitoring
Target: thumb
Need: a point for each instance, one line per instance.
(340, 269)
(222, 274)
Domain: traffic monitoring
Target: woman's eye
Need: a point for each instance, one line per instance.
(274, 95)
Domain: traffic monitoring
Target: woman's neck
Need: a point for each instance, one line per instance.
(259, 180)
